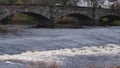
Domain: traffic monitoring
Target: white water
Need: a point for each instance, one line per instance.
(70, 47)
(110, 50)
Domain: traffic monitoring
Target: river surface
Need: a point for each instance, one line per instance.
(72, 48)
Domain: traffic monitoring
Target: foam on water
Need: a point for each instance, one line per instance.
(9, 62)
(57, 55)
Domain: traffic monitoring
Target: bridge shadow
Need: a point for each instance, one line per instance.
(75, 20)
(27, 18)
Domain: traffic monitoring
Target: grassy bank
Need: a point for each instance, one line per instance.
(56, 65)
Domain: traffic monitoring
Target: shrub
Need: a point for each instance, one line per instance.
(105, 19)
(116, 23)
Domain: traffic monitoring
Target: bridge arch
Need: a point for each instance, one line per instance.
(40, 20)
(109, 20)
(76, 19)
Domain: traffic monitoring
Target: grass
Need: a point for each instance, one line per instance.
(43, 65)
(56, 65)
(104, 66)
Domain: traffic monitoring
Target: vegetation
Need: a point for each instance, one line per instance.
(11, 1)
(65, 2)
(19, 2)
(67, 22)
(104, 21)
(23, 19)
(3, 1)
(116, 23)
(93, 65)
(116, 6)
(20, 19)
(43, 65)
(43, 2)
(56, 65)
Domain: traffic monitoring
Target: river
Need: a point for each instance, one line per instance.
(70, 47)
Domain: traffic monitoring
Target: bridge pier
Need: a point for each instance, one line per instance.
(52, 21)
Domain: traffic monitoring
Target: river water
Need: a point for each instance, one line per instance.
(69, 47)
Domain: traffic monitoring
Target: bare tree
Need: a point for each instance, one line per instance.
(117, 5)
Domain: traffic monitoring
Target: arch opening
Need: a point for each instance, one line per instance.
(27, 18)
(110, 20)
(75, 20)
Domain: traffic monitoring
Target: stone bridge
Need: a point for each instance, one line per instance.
(50, 12)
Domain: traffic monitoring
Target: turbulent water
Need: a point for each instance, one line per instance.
(69, 47)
